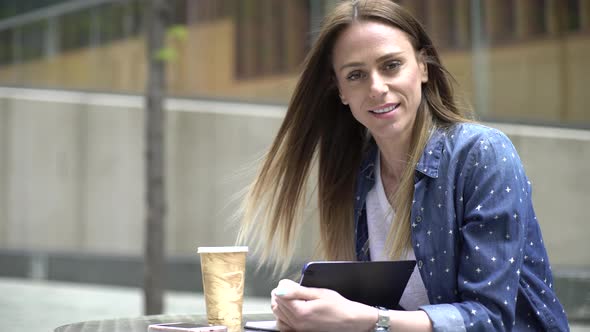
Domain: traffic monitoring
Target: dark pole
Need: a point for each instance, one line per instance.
(157, 17)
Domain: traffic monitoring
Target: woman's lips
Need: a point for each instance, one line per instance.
(388, 108)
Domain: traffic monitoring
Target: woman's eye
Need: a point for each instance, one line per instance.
(392, 65)
(353, 76)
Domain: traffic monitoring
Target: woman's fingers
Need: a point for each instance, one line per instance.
(282, 326)
(281, 312)
(290, 290)
(292, 303)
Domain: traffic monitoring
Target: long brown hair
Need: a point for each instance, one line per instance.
(318, 126)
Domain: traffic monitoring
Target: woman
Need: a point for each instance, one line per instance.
(402, 174)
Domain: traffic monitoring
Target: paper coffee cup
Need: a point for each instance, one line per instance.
(223, 270)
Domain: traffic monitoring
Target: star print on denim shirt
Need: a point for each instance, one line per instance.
(475, 235)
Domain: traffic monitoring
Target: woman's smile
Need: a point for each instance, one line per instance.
(386, 109)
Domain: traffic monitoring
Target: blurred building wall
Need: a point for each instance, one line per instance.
(71, 173)
(539, 80)
(71, 164)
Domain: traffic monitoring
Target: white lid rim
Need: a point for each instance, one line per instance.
(226, 249)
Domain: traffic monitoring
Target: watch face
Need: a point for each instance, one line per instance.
(382, 321)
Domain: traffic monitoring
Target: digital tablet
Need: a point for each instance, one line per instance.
(372, 283)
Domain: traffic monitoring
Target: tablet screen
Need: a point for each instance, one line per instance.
(372, 283)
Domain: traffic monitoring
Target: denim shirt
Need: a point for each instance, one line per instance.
(475, 235)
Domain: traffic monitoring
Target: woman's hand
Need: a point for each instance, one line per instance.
(299, 308)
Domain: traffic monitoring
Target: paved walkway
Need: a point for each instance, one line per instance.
(41, 306)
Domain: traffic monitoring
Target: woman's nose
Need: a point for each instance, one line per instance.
(378, 86)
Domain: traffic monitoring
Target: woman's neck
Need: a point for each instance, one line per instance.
(394, 156)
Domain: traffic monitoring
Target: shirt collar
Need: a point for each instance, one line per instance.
(368, 165)
(427, 165)
(430, 160)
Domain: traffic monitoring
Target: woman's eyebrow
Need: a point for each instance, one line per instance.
(350, 64)
(389, 55)
(360, 64)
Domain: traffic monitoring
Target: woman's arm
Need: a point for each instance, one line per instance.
(301, 308)
(492, 208)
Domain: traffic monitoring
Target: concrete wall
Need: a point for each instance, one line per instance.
(71, 173)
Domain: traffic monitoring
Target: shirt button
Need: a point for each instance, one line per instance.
(420, 264)
(418, 218)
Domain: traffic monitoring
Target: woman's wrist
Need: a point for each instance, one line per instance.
(383, 319)
(366, 317)
(397, 320)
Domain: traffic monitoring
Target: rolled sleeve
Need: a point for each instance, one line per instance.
(444, 318)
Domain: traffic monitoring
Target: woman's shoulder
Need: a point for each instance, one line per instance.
(475, 143)
(474, 130)
(462, 141)
(467, 134)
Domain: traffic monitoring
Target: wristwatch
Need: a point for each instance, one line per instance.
(382, 324)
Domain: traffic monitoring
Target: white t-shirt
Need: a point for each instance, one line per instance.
(379, 219)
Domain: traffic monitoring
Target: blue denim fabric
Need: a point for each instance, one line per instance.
(476, 238)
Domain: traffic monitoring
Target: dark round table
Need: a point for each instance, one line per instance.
(140, 324)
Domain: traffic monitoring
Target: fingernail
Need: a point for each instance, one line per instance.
(280, 292)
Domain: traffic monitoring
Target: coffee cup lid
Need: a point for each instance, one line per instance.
(206, 250)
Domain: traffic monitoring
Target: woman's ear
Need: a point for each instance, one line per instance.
(342, 98)
(335, 84)
(423, 66)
